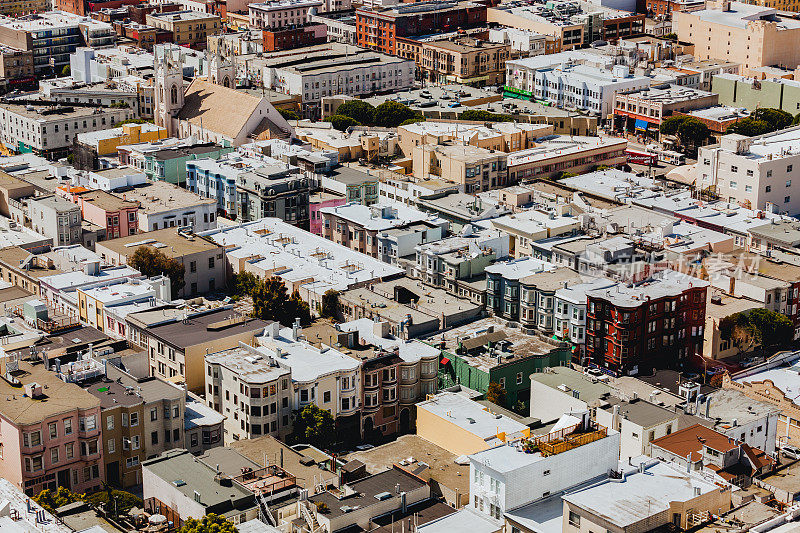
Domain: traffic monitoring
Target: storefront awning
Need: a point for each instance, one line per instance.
(640, 124)
(445, 360)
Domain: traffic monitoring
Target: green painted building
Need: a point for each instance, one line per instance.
(169, 163)
(751, 94)
(494, 353)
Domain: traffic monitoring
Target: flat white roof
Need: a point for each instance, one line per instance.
(519, 268)
(79, 278)
(471, 416)
(380, 217)
(409, 351)
(301, 254)
(561, 145)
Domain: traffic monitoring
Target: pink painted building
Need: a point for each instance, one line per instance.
(120, 217)
(50, 433)
(317, 201)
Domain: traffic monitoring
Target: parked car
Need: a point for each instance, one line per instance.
(792, 452)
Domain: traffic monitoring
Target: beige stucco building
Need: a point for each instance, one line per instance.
(473, 168)
(500, 136)
(751, 35)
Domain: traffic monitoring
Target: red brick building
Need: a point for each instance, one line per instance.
(378, 29)
(653, 8)
(294, 37)
(655, 324)
(86, 7)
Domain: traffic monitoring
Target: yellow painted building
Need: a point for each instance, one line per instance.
(105, 142)
(462, 426)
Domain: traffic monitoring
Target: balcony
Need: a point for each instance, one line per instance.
(565, 439)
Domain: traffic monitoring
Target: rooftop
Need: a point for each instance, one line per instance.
(666, 95)
(693, 439)
(641, 412)
(107, 201)
(169, 241)
(589, 391)
(380, 217)
(557, 146)
(740, 14)
(472, 417)
(159, 196)
(671, 284)
(639, 496)
(57, 396)
(20, 503)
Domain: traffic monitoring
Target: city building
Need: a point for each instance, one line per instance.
(570, 314)
(164, 205)
(754, 172)
(54, 217)
(139, 418)
(264, 403)
(639, 423)
(466, 61)
(472, 168)
(557, 154)
(532, 225)
(631, 329)
(745, 92)
(463, 426)
(274, 191)
(277, 14)
(203, 261)
(525, 42)
(16, 67)
(752, 35)
(53, 443)
(288, 38)
(91, 146)
(563, 390)
(698, 448)
(169, 163)
(564, 82)
(385, 232)
(503, 137)
(380, 27)
(513, 357)
(669, 495)
(33, 33)
(189, 28)
(119, 217)
(203, 426)
(49, 130)
(645, 109)
(176, 340)
(318, 200)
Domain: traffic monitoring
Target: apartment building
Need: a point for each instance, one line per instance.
(35, 33)
(49, 130)
(752, 35)
(647, 108)
(555, 155)
(500, 477)
(278, 14)
(189, 28)
(164, 205)
(89, 147)
(176, 340)
(656, 324)
(119, 217)
(754, 172)
(525, 42)
(557, 80)
(379, 27)
(367, 229)
(474, 169)
(467, 61)
(274, 191)
(287, 38)
(56, 218)
(531, 225)
(139, 419)
(53, 443)
(203, 261)
(568, 32)
(503, 137)
(16, 66)
(570, 314)
(262, 403)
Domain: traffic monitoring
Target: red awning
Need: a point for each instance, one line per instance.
(445, 360)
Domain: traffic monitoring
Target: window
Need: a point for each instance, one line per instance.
(67, 426)
(112, 446)
(87, 423)
(134, 417)
(154, 437)
(574, 519)
(110, 422)
(53, 430)
(33, 438)
(502, 383)
(53, 455)
(69, 450)
(326, 396)
(519, 378)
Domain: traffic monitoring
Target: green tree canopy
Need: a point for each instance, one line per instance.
(152, 262)
(693, 132)
(359, 110)
(391, 114)
(796, 120)
(52, 500)
(413, 121)
(330, 304)
(749, 127)
(776, 118)
(271, 299)
(210, 523)
(496, 394)
(121, 501)
(775, 329)
(483, 115)
(315, 426)
(670, 125)
(341, 122)
(288, 114)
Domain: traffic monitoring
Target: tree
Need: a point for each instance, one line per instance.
(670, 125)
(359, 110)
(52, 500)
(671, 36)
(152, 262)
(117, 502)
(776, 118)
(482, 115)
(288, 114)
(693, 132)
(245, 283)
(330, 304)
(749, 127)
(796, 120)
(66, 71)
(268, 300)
(296, 307)
(391, 114)
(341, 122)
(413, 121)
(774, 329)
(210, 523)
(314, 426)
(496, 394)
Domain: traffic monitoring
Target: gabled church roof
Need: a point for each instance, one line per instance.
(223, 110)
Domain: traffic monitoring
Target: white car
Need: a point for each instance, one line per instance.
(792, 452)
